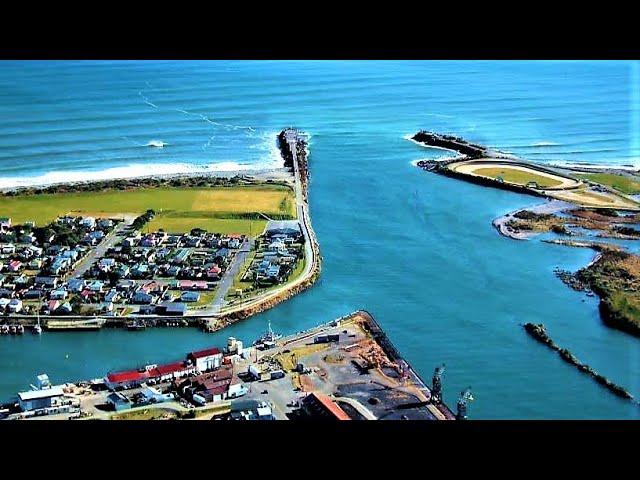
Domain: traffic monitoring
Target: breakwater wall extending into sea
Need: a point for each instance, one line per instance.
(293, 148)
(539, 333)
(450, 142)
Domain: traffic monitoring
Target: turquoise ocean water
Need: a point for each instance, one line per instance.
(415, 249)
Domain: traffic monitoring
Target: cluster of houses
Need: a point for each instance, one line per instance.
(145, 273)
(33, 270)
(202, 256)
(161, 273)
(280, 250)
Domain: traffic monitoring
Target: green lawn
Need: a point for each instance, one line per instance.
(192, 203)
(517, 176)
(172, 224)
(622, 183)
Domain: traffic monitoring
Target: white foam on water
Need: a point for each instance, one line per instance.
(545, 144)
(131, 171)
(156, 143)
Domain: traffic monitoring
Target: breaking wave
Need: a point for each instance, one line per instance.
(132, 171)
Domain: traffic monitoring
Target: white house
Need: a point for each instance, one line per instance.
(206, 359)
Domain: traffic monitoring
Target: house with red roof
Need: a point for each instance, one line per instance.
(126, 379)
(205, 360)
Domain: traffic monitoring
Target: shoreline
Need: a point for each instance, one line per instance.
(294, 173)
(276, 174)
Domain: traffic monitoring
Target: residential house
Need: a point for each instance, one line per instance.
(95, 286)
(5, 223)
(27, 238)
(33, 294)
(214, 272)
(105, 223)
(88, 222)
(8, 248)
(123, 270)
(3, 303)
(75, 285)
(14, 266)
(112, 296)
(47, 282)
(52, 306)
(130, 242)
(173, 308)
(190, 297)
(6, 293)
(58, 294)
(181, 256)
(106, 264)
(35, 264)
(21, 281)
(65, 308)
(142, 297)
(15, 305)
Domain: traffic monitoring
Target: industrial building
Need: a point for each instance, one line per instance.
(37, 399)
(206, 359)
(321, 407)
(251, 410)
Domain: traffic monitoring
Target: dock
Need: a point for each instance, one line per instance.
(346, 369)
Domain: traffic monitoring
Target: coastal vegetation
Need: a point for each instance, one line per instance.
(627, 184)
(615, 277)
(232, 209)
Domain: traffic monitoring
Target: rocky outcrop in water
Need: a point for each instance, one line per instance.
(539, 333)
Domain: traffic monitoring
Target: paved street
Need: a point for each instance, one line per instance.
(226, 282)
(109, 241)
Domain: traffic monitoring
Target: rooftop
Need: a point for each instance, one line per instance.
(45, 393)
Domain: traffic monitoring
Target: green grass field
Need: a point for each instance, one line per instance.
(172, 224)
(517, 176)
(178, 209)
(622, 183)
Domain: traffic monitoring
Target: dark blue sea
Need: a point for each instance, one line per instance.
(415, 249)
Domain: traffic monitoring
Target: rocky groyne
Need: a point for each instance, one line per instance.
(539, 333)
(450, 142)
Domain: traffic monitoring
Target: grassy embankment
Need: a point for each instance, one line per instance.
(218, 209)
(615, 277)
(517, 176)
(623, 183)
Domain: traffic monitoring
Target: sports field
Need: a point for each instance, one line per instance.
(182, 208)
(520, 176)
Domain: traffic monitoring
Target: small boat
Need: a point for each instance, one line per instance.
(37, 329)
(20, 330)
(4, 330)
(12, 329)
(136, 325)
(267, 339)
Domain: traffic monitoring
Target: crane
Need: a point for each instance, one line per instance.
(436, 384)
(465, 397)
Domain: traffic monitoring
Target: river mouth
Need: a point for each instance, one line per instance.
(416, 250)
